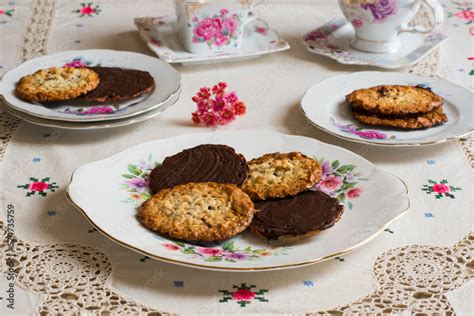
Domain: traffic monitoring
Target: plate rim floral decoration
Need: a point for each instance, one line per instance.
(255, 257)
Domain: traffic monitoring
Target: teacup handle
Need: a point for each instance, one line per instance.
(252, 16)
(438, 16)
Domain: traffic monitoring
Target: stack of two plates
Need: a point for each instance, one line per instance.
(93, 115)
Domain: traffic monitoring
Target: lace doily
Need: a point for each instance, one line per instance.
(72, 277)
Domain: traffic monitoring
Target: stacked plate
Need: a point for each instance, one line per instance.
(94, 115)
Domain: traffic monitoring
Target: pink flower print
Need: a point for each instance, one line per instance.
(236, 256)
(353, 193)
(213, 252)
(2, 12)
(261, 30)
(357, 22)
(207, 29)
(440, 188)
(171, 246)
(87, 10)
(77, 63)
(315, 35)
(38, 186)
(98, 110)
(138, 183)
(370, 134)
(465, 14)
(224, 11)
(230, 25)
(221, 40)
(330, 184)
(381, 9)
(243, 295)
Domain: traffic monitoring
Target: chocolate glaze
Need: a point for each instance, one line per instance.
(298, 215)
(119, 84)
(204, 163)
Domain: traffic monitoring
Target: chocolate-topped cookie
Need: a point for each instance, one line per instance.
(203, 163)
(304, 214)
(117, 84)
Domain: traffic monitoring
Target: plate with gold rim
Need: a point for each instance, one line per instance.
(373, 198)
(325, 107)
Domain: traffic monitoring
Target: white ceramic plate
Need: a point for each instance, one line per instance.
(92, 125)
(324, 105)
(167, 81)
(373, 198)
(332, 40)
(160, 35)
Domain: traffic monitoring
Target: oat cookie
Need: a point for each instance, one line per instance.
(394, 100)
(430, 119)
(300, 216)
(56, 84)
(204, 211)
(280, 175)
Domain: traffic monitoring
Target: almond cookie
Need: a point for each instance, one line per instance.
(280, 175)
(203, 163)
(204, 211)
(117, 84)
(426, 120)
(394, 100)
(56, 84)
(291, 218)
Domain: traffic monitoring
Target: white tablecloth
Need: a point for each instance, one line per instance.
(64, 265)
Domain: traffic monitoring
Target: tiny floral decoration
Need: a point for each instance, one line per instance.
(42, 187)
(218, 30)
(340, 181)
(7, 12)
(88, 9)
(381, 9)
(441, 189)
(136, 181)
(362, 133)
(78, 62)
(91, 110)
(243, 294)
(228, 252)
(216, 106)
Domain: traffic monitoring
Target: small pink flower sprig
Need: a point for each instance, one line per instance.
(218, 107)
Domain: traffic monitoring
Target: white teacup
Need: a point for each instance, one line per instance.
(213, 26)
(378, 23)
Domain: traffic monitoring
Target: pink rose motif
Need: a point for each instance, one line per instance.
(370, 134)
(330, 183)
(98, 110)
(230, 24)
(207, 29)
(87, 10)
(354, 193)
(213, 252)
(76, 63)
(381, 9)
(357, 22)
(315, 35)
(2, 12)
(171, 246)
(243, 295)
(465, 14)
(441, 188)
(224, 11)
(235, 255)
(38, 186)
(221, 40)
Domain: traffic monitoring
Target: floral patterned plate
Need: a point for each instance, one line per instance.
(160, 35)
(324, 105)
(332, 40)
(167, 80)
(373, 198)
(85, 126)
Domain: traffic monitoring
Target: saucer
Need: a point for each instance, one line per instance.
(94, 125)
(160, 35)
(332, 40)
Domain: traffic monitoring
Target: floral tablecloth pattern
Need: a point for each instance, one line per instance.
(59, 263)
